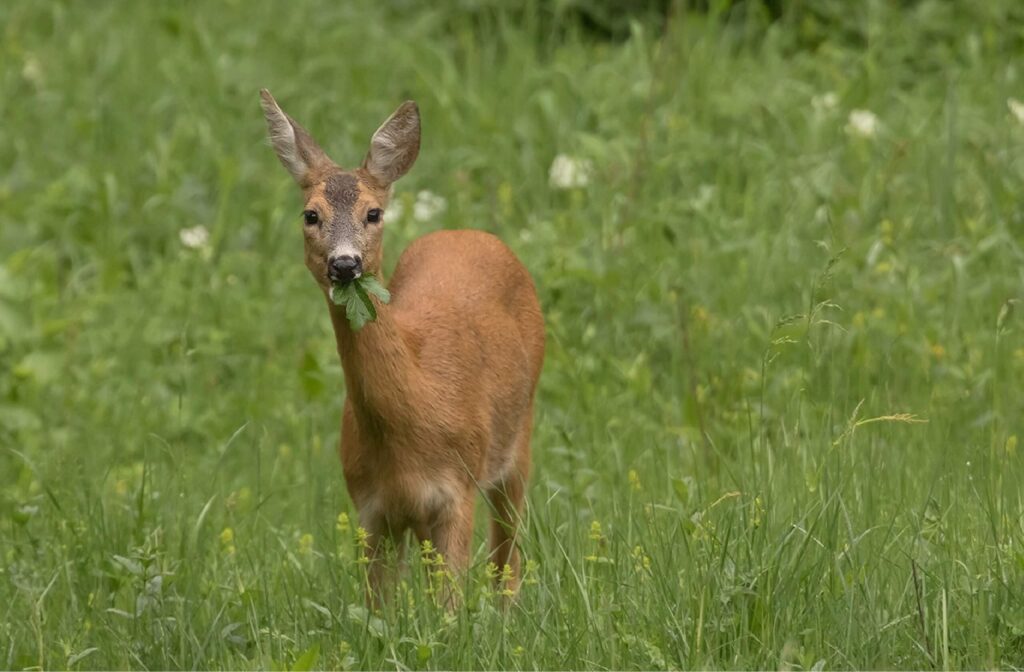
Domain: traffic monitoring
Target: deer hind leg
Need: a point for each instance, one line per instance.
(506, 500)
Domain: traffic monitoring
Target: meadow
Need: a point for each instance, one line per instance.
(780, 260)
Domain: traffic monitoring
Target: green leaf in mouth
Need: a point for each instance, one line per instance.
(355, 297)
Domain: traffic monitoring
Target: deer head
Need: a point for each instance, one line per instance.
(343, 215)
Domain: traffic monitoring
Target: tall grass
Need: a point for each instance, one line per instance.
(778, 424)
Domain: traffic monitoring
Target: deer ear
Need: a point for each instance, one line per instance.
(395, 145)
(296, 148)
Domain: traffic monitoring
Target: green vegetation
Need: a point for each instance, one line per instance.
(780, 418)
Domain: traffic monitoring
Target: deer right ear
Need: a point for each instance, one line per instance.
(395, 145)
(296, 149)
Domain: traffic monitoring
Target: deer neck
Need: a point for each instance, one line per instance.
(378, 364)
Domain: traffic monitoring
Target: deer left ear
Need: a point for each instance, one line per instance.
(395, 145)
(296, 148)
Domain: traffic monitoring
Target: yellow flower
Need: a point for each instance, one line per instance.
(505, 197)
(938, 352)
(634, 480)
(343, 523)
(244, 498)
(506, 580)
(491, 570)
(885, 228)
(428, 554)
(700, 314)
(597, 537)
(306, 544)
(363, 543)
(758, 512)
(641, 561)
(530, 572)
(227, 541)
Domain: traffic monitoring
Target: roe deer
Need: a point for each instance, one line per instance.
(440, 386)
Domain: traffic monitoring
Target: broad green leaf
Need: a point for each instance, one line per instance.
(365, 299)
(355, 297)
(372, 286)
(308, 659)
(337, 294)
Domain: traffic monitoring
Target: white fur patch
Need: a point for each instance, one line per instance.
(437, 496)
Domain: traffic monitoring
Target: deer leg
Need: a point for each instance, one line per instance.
(383, 570)
(506, 500)
(452, 536)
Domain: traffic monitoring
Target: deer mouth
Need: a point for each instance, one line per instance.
(342, 279)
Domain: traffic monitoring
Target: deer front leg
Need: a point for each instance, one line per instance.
(452, 535)
(382, 571)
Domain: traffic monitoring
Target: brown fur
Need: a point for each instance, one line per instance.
(440, 387)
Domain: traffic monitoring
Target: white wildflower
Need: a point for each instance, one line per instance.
(195, 237)
(428, 205)
(705, 194)
(569, 172)
(1016, 109)
(394, 211)
(825, 102)
(28, 510)
(863, 123)
(32, 71)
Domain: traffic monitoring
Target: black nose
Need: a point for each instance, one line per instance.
(344, 268)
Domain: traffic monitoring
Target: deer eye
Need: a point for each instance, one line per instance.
(373, 216)
(310, 217)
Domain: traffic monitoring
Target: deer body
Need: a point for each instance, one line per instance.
(440, 390)
(440, 386)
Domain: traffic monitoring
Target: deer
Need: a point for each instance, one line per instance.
(440, 387)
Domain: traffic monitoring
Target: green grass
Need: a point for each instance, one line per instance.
(741, 307)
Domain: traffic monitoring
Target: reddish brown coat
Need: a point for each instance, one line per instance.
(440, 387)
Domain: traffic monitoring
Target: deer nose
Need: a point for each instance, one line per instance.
(344, 268)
